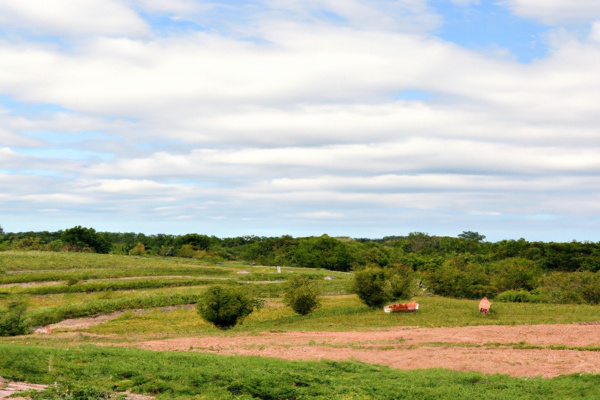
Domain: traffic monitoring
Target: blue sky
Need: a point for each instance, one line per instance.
(352, 118)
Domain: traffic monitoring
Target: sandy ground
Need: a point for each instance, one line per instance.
(8, 389)
(521, 350)
(486, 349)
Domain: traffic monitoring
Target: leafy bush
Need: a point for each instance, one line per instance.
(83, 239)
(461, 276)
(225, 306)
(11, 321)
(138, 250)
(186, 251)
(73, 391)
(377, 286)
(55, 245)
(517, 296)
(301, 294)
(591, 287)
(28, 244)
(514, 274)
(571, 287)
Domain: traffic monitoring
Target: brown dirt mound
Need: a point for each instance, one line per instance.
(514, 350)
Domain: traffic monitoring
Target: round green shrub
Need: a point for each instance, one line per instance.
(376, 286)
(225, 306)
(11, 320)
(301, 294)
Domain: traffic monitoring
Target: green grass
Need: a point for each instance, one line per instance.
(110, 285)
(69, 359)
(15, 261)
(347, 313)
(182, 375)
(342, 313)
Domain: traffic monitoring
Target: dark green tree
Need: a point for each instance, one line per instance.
(198, 242)
(224, 307)
(82, 239)
(376, 286)
(11, 320)
(514, 274)
(461, 276)
(301, 294)
(323, 252)
(472, 236)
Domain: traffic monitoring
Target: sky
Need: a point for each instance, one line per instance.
(285, 117)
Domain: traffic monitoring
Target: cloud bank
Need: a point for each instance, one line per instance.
(287, 117)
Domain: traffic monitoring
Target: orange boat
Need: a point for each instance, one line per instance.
(401, 307)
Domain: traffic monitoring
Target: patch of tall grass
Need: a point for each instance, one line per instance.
(86, 274)
(43, 260)
(347, 313)
(46, 316)
(109, 285)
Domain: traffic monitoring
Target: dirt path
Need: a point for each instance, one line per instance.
(9, 389)
(514, 350)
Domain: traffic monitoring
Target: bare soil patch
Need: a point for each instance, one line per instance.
(11, 388)
(30, 284)
(486, 349)
(84, 323)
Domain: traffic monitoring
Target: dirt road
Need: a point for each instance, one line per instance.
(525, 350)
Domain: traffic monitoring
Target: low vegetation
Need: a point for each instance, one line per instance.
(301, 294)
(11, 319)
(224, 307)
(177, 375)
(197, 285)
(465, 266)
(376, 286)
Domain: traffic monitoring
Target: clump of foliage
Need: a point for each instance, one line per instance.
(376, 286)
(577, 287)
(138, 250)
(79, 238)
(518, 296)
(323, 252)
(301, 294)
(73, 391)
(514, 273)
(224, 307)
(461, 275)
(186, 251)
(11, 320)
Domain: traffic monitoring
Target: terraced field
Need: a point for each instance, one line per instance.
(143, 304)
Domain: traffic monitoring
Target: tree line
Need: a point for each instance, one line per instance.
(463, 266)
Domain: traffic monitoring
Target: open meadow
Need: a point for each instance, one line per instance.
(124, 324)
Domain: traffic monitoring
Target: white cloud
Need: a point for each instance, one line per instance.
(298, 120)
(321, 215)
(9, 138)
(556, 11)
(72, 17)
(595, 32)
(397, 15)
(171, 6)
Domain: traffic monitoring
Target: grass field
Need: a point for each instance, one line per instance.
(157, 297)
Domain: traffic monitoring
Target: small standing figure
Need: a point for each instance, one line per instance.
(484, 305)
